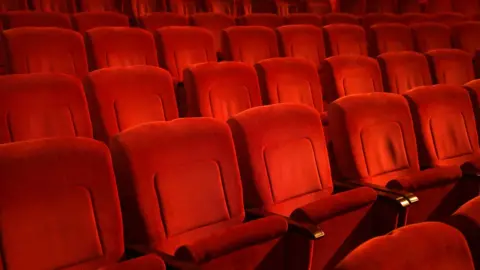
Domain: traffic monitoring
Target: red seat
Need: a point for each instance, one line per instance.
(357, 7)
(42, 106)
(191, 162)
(98, 5)
(320, 7)
(120, 47)
(45, 50)
(349, 75)
(390, 37)
(65, 6)
(467, 7)
(451, 66)
(465, 36)
(184, 7)
(139, 8)
(340, 18)
(449, 18)
(302, 41)
(305, 18)
(267, 20)
(225, 7)
(374, 142)
(409, 6)
(450, 251)
(345, 39)
(215, 23)
(221, 90)
(66, 192)
(85, 21)
(156, 20)
(249, 44)
(381, 6)
(409, 18)
(439, 6)
(379, 18)
(139, 94)
(430, 35)
(285, 171)
(15, 19)
(403, 71)
(9, 5)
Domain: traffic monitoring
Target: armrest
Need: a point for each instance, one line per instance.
(471, 168)
(427, 178)
(234, 238)
(148, 262)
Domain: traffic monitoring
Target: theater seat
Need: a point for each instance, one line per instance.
(45, 50)
(15, 19)
(430, 35)
(123, 97)
(185, 7)
(415, 17)
(262, 19)
(302, 41)
(345, 39)
(320, 7)
(215, 23)
(349, 75)
(403, 71)
(381, 6)
(139, 8)
(467, 7)
(357, 7)
(449, 18)
(305, 18)
(409, 6)
(155, 20)
(191, 163)
(371, 19)
(66, 192)
(11, 5)
(97, 6)
(221, 7)
(465, 36)
(84, 21)
(249, 44)
(42, 106)
(340, 18)
(432, 244)
(120, 47)
(439, 6)
(65, 6)
(451, 66)
(390, 37)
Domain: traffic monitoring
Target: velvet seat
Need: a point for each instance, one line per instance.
(84, 21)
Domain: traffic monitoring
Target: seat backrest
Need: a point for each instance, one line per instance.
(439, 6)
(178, 52)
(390, 37)
(84, 21)
(267, 20)
(449, 18)
(215, 23)
(97, 6)
(249, 44)
(120, 47)
(138, 8)
(139, 94)
(451, 66)
(403, 71)
(349, 75)
(302, 41)
(445, 124)
(373, 137)
(305, 18)
(165, 170)
(357, 7)
(381, 6)
(185, 7)
(65, 6)
(42, 106)
(282, 155)
(440, 246)
(15, 19)
(320, 7)
(340, 18)
(431, 35)
(409, 6)
(220, 90)
(377, 18)
(415, 17)
(290, 80)
(156, 20)
(226, 7)
(467, 7)
(345, 39)
(9, 5)
(66, 192)
(45, 50)
(465, 36)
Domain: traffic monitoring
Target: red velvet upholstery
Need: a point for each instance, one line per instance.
(138, 8)
(66, 192)
(349, 75)
(409, 18)
(345, 39)
(449, 18)
(403, 71)
(320, 7)
(66, 6)
(302, 41)
(84, 21)
(390, 37)
(290, 80)
(45, 50)
(9, 5)
(221, 7)
(451, 66)
(165, 170)
(465, 36)
(14, 19)
(467, 7)
(409, 6)
(185, 7)
(340, 18)
(381, 6)
(123, 97)
(42, 105)
(430, 35)
(98, 6)
(120, 47)
(156, 20)
(305, 18)
(439, 6)
(285, 170)
(358, 7)
(267, 20)
(249, 44)
(379, 18)
(178, 52)
(220, 90)
(428, 245)
(215, 23)
(445, 124)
